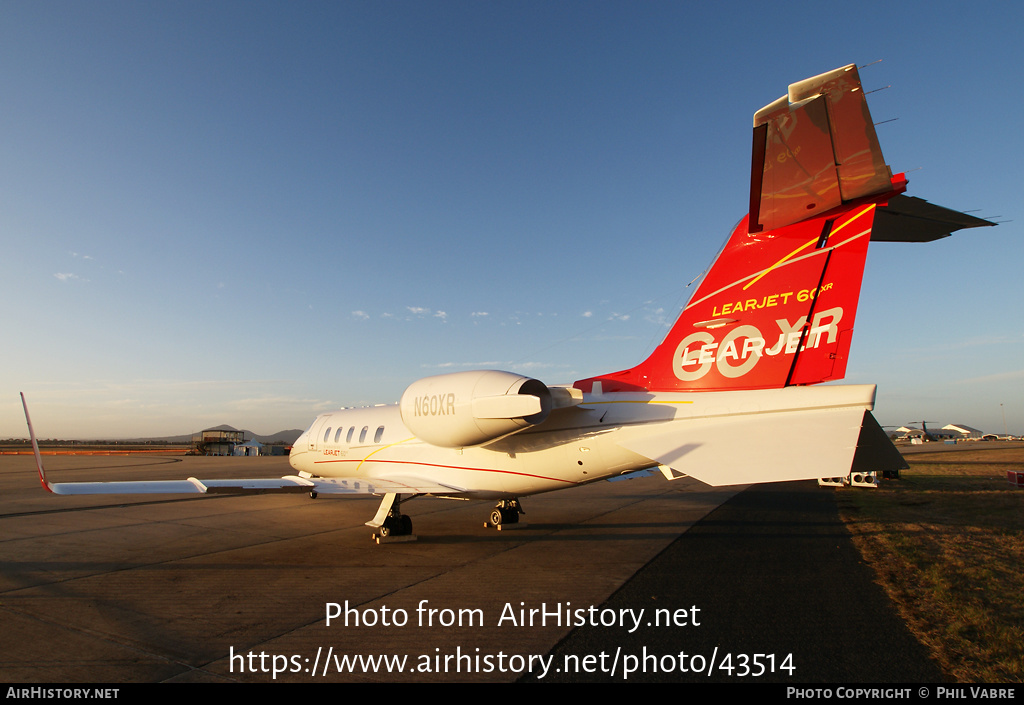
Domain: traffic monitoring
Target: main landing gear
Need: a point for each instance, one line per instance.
(506, 513)
(390, 524)
(396, 525)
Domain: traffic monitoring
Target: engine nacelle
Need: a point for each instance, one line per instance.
(469, 408)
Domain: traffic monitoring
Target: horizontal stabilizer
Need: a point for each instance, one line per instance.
(910, 219)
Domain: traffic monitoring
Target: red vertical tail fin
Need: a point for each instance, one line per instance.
(776, 309)
(778, 305)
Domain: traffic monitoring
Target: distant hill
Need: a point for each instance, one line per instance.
(287, 437)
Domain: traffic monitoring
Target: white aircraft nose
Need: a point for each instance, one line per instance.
(298, 448)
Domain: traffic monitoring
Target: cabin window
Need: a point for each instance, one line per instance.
(348, 438)
(378, 434)
(327, 434)
(362, 434)
(337, 434)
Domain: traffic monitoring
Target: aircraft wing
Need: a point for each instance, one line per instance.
(189, 486)
(288, 483)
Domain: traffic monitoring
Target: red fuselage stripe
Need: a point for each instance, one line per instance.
(450, 467)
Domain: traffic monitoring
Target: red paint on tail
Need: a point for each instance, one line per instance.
(778, 305)
(776, 309)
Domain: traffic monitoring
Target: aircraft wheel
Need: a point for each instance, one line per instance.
(312, 495)
(406, 525)
(385, 530)
(497, 517)
(511, 516)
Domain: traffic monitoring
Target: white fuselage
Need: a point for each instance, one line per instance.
(535, 460)
(573, 446)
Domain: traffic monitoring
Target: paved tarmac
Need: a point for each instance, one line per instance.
(215, 589)
(156, 588)
(775, 573)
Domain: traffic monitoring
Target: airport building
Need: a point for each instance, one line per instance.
(215, 441)
(965, 431)
(949, 432)
(912, 434)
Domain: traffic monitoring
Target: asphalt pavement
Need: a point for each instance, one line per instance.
(773, 572)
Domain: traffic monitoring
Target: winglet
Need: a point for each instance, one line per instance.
(35, 447)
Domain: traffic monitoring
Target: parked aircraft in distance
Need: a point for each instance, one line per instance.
(727, 398)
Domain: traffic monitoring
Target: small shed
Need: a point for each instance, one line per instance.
(250, 447)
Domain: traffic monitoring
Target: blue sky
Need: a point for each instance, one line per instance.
(252, 212)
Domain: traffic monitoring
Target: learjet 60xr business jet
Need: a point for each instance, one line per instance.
(731, 396)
